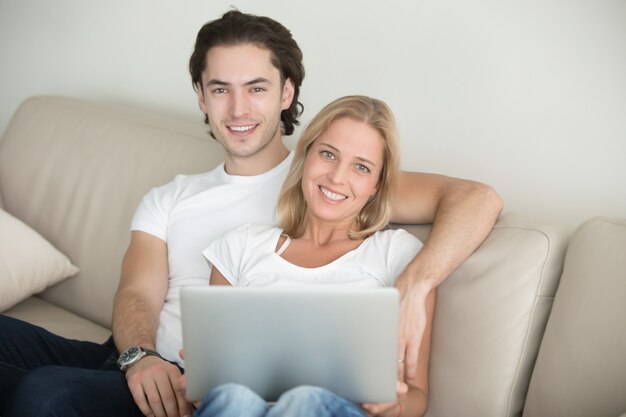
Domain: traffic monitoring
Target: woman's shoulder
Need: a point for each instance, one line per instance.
(394, 235)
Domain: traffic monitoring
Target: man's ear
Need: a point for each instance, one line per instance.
(201, 102)
(287, 96)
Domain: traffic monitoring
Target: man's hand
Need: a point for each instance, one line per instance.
(413, 318)
(156, 389)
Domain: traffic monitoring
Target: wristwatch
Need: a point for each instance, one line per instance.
(132, 355)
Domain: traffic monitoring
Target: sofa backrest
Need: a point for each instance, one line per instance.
(581, 367)
(490, 317)
(75, 172)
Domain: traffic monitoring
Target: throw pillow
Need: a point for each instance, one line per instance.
(28, 263)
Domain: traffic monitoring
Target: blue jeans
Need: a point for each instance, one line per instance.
(232, 400)
(42, 374)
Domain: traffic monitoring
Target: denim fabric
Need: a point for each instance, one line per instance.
(232, 400)
(43, 374)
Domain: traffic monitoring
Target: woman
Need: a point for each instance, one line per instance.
(332, 209)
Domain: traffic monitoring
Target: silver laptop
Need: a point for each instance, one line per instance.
(272, 340)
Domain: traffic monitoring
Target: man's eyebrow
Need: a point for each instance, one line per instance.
(360, 158)
(213, 82)
(259, 80)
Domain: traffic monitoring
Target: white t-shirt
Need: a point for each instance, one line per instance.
(189, 213)
(247, 256)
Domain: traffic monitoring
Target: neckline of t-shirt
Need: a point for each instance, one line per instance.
(253, 179)
(337, 261)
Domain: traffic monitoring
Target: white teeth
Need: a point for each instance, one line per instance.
(240, 128)
(332, 196)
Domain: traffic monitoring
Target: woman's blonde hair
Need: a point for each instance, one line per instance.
(376, 213)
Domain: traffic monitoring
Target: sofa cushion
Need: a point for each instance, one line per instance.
(581, 367)
(489, 319)
(58, 320)
(28, 263)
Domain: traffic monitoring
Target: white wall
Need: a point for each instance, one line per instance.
(528, 96)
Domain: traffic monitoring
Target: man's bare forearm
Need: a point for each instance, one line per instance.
(134, 322)
(465, 216)
(141, 292)
(462, 214)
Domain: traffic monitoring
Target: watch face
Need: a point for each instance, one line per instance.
(128, 355)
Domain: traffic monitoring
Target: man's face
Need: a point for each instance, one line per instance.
(242, 95)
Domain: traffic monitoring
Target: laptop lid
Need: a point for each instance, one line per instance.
(272, 340)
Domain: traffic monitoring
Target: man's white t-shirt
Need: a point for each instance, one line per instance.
(189, 213)
(247, 257)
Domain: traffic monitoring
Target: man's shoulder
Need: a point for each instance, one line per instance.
(183, 183)
(256, 231)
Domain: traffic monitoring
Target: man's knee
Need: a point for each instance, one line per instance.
(64, 391)
(45, 391)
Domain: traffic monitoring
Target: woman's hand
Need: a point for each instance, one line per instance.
(392, 409)
(183, 382)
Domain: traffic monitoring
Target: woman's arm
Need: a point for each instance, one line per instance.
(413, 402)
(217, 278)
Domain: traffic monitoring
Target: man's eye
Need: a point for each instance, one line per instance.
(219, 90)
(327, 155)
(258, 89)
(362, 168)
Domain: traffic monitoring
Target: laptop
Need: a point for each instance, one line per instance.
(272, 340)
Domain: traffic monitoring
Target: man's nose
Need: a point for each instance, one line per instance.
(240, 105)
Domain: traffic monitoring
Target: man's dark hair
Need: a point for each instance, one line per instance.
(236, 28)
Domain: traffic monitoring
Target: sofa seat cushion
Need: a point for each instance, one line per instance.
(58, 320)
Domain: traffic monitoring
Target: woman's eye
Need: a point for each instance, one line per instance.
(327, 155)
(362, 168)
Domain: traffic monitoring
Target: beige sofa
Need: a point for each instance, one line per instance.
(532, 324)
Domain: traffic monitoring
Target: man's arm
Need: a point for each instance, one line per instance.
(153, 382)
(462, 214)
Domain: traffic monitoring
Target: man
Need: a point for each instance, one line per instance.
(247, 72)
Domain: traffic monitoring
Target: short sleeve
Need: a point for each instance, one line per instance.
(226, 253)
(152, 215)
(402, 248)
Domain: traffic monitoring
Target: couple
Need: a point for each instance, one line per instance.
(247, 72)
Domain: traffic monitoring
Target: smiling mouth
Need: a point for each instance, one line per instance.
(332, 196)
(241, 129)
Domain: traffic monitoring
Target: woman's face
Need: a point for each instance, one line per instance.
(341, 171)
